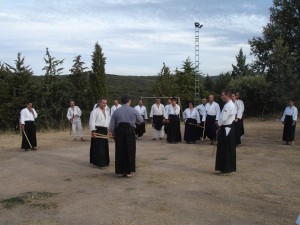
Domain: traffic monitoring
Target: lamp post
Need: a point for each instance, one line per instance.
(197, 75)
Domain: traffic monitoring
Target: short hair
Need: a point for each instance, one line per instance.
(116, 99)
(102, 98)
(227, 92)
(191, 102)
(173, 99)
(28, 102)
(125, 99)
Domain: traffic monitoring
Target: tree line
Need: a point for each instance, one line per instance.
(266, 83)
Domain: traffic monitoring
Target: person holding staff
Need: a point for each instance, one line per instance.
(289, 119)
(226, 148)
(27, 118)
(122, 127)
(202, 112)
(99, 121)
(73, 115)
(192, 120)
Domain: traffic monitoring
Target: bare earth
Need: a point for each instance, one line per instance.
(174, 183)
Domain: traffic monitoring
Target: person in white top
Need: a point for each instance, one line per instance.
(141, 127)
(289, 119)
(240, 118)
(212, 117)
(106, 107)
(173, 120)
(202, 112)
(236, 120)
(99, 121)
(115, 106)
(226, 149)
(157, 115)
(27, 118)
(73, 115)
(192, 120)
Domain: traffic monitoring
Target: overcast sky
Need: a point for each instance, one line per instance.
(137, 36)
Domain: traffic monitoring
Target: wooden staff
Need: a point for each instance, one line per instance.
(195, 125)
(27, 138)
(202, 138)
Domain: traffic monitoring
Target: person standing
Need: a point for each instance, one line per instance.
(226, 148)
(212, 117)
(289, 119)
(173, 121)
(27, 118)
(166, 125)
(192, 120)
(235, 122)
(157, 115)
(115, 106)
(122, 127)
(141, 127)
(239, 118)
(73, 115)
(99, 121)
(202, 112)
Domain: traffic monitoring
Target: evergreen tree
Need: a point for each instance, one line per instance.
(241, 68)
(98, 83)
(52, 64)
(165, 82)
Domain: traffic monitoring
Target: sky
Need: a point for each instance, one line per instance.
(136, 36)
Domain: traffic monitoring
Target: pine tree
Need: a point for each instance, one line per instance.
(241, 68)
(98, 83)
(52, 64)
(165, 82)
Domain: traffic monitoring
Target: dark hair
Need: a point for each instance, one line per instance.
(29, 101)
(227, 92)
(125, 99)
(116, 99)
(191, 103)
(102, 98)
(173, 98)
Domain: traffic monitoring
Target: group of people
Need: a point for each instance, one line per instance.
(126, 124)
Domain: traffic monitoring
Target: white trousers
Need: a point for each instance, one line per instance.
(77, 128)
(159, 133)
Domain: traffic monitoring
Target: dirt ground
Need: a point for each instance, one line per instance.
(174, 183)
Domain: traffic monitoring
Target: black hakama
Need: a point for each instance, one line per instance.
(140, 128)
(125, 149)
(226, 151)
(157, 122)
(210, 127)
(288, 129)
(239, 131)
(201, 130)
(30, 131)
(173, 131)
(191, 130)
(99, 151)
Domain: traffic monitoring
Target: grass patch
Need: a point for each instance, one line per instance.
(33, 199)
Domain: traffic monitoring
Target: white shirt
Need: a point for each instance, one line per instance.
(98, 119)
(97, 106)
(290, 111)
(166, 109)
(75, 111)
(26, 115)
(240, 108)
(202, 111)
(157, 110)
(142, 111)
(213, 109)
(191, 113)
(227, 115)
(171, 110)
(113, 108)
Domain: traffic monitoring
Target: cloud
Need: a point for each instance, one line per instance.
(136, 35)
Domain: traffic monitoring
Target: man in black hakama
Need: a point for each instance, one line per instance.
(27, 118)
(173, 121)
(289, 119)
(99, 121)
(239, 122)
(212, 117)
(226, 148)
(122, 126)
(141, 127)
(192, 121)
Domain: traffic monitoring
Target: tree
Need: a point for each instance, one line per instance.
(280, 38)
(165, 82)
(185, 80)
(222, 82)
(208, 84)
(98, 83)
(52, 64)
(241, 68)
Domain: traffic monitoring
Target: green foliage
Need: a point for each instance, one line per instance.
(241, 68)
(165, 82)
(98, 83)
(254, 91)
(277, 51)
(52, 64)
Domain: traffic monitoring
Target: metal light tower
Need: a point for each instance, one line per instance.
(197, 75)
